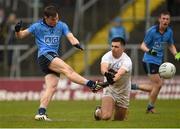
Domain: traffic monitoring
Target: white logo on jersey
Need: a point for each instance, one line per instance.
(116, 65)
(51, 39)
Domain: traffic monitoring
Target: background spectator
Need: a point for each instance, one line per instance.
(117, 30)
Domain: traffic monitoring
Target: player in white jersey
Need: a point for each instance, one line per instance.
(116, 66)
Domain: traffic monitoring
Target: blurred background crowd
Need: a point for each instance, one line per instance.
(89, 20)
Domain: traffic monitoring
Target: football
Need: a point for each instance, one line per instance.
(167, 70)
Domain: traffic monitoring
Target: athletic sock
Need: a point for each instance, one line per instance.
(134, 87)
(90, 84)
(41, 111)
(150, 106)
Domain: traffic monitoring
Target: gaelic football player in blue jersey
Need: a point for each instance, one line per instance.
(48, 33)
(153, 45)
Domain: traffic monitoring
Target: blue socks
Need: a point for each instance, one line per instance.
(90, 84)
(150, 106)
(41, 111)
(134, 87)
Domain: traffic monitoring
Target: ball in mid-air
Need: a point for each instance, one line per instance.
(167, 70)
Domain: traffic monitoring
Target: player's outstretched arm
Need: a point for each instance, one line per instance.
(20, 33)
(74, 41)
(146, 49)
(173, 50)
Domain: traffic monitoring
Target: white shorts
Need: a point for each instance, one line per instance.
(121, 100)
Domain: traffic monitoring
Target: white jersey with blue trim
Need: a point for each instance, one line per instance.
(48, 38)
(124, 83)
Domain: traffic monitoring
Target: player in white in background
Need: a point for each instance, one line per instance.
(116, 66)
(48, 33)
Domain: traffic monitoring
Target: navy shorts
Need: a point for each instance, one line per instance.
(44, 61)
(151, 68)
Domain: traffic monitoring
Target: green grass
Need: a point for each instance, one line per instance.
(79, 114)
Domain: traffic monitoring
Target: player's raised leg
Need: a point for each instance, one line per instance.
(144, 87)
(60, 66)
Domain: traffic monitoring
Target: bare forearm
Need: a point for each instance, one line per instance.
(143, 47)
(18, 35)
(21, 34)
(73, 40)
(104, 68)
(173, 50)
(119, 74)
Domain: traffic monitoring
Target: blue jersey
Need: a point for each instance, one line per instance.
(48, 38)
(157, 41)
(117, 32)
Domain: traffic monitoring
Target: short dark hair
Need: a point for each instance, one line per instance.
(164, 12)
(50, 11)
(119, 39)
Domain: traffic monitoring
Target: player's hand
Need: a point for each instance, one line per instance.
(152, 52)
(98, 86)
(177, 56)
(78, 46)
(112, 71)
(109, 76)
(18, 26)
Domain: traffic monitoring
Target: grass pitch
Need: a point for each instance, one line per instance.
(79, 114)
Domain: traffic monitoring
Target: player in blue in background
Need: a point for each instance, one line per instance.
(153, 45)
(48, 33)
(117, 30)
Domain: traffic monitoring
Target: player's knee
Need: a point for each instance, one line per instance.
(52, 89)
(106, 116)
(54, 84)
(159, 84)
